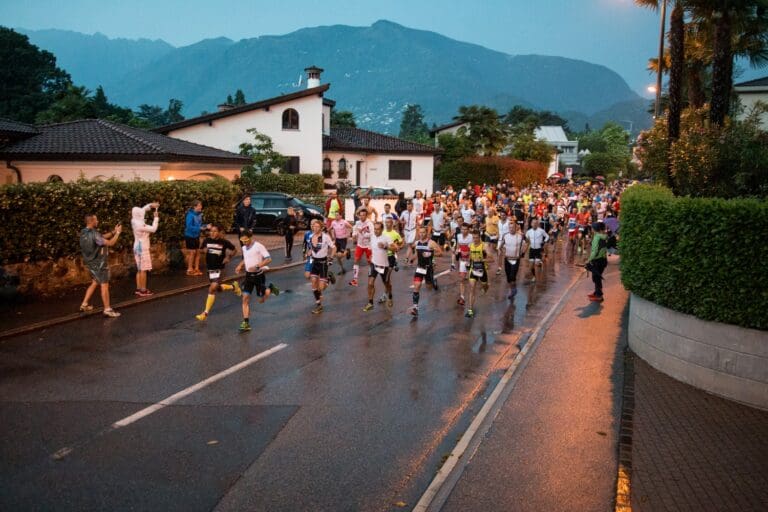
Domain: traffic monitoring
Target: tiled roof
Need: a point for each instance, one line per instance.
(243, 108)
(356, 139)
(8, 127)
(758, 82)
(100, 140)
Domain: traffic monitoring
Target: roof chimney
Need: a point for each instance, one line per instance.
(225, 106)
(313, 76)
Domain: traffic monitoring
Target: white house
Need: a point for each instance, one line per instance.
(100, 149)
(750, 93)
(568, 150)
(299, 126)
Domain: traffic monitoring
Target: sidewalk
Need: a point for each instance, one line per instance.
(30, 312)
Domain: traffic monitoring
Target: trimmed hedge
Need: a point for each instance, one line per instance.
(294, 184)
(704, 257)
(491, 170)
(42, 220)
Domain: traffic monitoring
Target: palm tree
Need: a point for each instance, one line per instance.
(486, 132)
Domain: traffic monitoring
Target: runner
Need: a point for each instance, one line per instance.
(426, 250)
(216, 257)
(478, 271)
(408, 220)
(322, 250)
(340, 230)
(255, 261)
(583, 219)
(437, 225)
(492, 233)
(572, 226)
(536, 238)
(461, 255)
(397, 240)
(511, 250)
(379, 264)
(361, 234)
(307, 255)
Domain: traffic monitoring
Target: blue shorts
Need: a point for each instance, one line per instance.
(308, 265)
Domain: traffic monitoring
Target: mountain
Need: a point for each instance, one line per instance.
(374, 72)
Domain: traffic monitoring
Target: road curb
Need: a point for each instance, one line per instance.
(624, 475)
(25, 329)
(448, 475)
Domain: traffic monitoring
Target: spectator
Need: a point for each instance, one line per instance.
(291, 226)
(245, 216)
(193, 225)
(141, 252)
(598, 260)
(95, 250)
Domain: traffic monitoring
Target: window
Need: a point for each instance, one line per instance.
(290, 119)
(326, 164)
(400, 169)
(54, 178)
(257, 203)
(291, 165)
(275, 203)
(343, 165)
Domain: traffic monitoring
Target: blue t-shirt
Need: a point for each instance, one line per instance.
(193, 223)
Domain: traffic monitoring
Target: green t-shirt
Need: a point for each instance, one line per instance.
(599, 247)
(395, 237)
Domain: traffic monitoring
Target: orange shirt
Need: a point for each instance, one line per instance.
(583, 218)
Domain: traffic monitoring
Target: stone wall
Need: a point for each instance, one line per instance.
(44, 278)
(725, 360)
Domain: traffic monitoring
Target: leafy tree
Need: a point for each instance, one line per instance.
(486, 132)
(153, 116)
(343, 119)
(239, 97)
(173, 113)
(72, 105)
(29, 78)
(521, 115)
(455, 147)
(229, 100)
(605, 164)
(262, 152)
(526, 147)
(412, 126)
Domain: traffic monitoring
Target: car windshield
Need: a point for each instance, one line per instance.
(296, 202)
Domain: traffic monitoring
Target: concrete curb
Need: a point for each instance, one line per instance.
(624, 473)
(439, 490)
(24, 329)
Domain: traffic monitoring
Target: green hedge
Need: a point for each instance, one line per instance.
(42, 220)
(705, 257)
(295, 184)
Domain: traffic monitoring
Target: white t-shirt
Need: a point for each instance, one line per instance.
(408, 219)
(418, 206)
(254, 255)
(438, 222)
(390, 215)
(320, 248)
(467, 214)
(378, 255)
(503, 228)
(363, 231)
(536, 237)
(512, 245)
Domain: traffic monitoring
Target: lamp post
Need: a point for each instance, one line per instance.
(660, 67)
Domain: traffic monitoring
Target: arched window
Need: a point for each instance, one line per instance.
(290, 119)
(54, 178)
(326, 164)
(343, 165)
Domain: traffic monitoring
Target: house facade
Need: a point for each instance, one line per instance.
(100, 149)
(749, 94)
(568, 150)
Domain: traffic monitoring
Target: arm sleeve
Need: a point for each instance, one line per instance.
(154, 226)
(147, 207)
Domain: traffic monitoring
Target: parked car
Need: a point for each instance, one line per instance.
(272, 211)
(372, 191)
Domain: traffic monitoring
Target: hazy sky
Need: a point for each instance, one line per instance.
(614, 33)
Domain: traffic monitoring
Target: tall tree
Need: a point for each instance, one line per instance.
(677, 63)
(342, 119)
(239, 97)
(173, 114)
(412, 126)
(484, 129)
(262, 152)
(72, 105)
(29, 78)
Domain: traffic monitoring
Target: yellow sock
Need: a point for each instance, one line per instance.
(209, 303)
(226, 287)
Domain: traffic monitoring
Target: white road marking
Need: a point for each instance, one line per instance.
(191, 389)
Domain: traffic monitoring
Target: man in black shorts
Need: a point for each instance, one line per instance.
(255, 261)
(215, 247)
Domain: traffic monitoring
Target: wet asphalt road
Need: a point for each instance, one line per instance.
(355, 413)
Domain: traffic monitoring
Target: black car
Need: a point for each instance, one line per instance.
(272, 211)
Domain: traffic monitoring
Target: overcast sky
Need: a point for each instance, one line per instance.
(614, 33)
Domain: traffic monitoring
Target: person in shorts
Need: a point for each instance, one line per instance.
(478, 270)
(512, 247)
(361, 234)
(256, 259)
(193, 225)
(95, 249)
(426, 249)
(322, 249)
(218, 251)
(379, 264)
(409, 222)
(340, 232)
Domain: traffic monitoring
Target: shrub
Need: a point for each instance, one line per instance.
(491, 170)
(294, 184)
(697, 256)
(42, 220)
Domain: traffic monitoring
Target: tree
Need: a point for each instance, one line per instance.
(342, 119)
(229, 100)
(262, 152)
(29, 77)
(153, 116)
(526, 147)
(486, 132)
(455, 147)
(239, 97)
(533, 118)
(71, 105)
(173, 113)
(412, 126)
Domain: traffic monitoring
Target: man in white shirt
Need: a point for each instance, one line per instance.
(361, 234)
(437, 225)
(255, 261)
(467, 213)
(511, 250)
(409, 220)
(536, 238)
(380, 244)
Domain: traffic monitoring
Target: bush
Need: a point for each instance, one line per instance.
(697, 256)
(294, 184)
(42, 220)
(491, 170)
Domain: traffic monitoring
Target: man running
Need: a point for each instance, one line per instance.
(362, 233)
(255, 261)
(340, 230)
(408, 220)
(426, 249)
(536, 238)
(478, 270)
(584, 220)
(461, 255)
(215, 247)
(511, 250)
(321, 249)
(379, 266)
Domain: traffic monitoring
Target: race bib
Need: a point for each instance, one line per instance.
(477, 273)
(512, 261)
(420, 270)
(214, 274)
(379, 269)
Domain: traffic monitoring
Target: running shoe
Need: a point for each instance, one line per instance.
(274, 289)
(533, 279)
(469, 314)
(383, 298)
(236, 288)
(597, 299)
(460, 302)
(84, 308)
(434, 284)
(368, 307)
(147, 293)
(202, 316)
(414, 311)
(111, 313)
(498, 271)
(244, 326)
(390, 303)
(353, 282)
(332, 277)
(396, 268)
(591, 296)
(318, 309)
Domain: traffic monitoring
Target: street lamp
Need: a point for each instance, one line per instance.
(660, 67)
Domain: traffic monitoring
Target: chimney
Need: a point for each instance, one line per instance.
(313, 76)
(223, 107)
